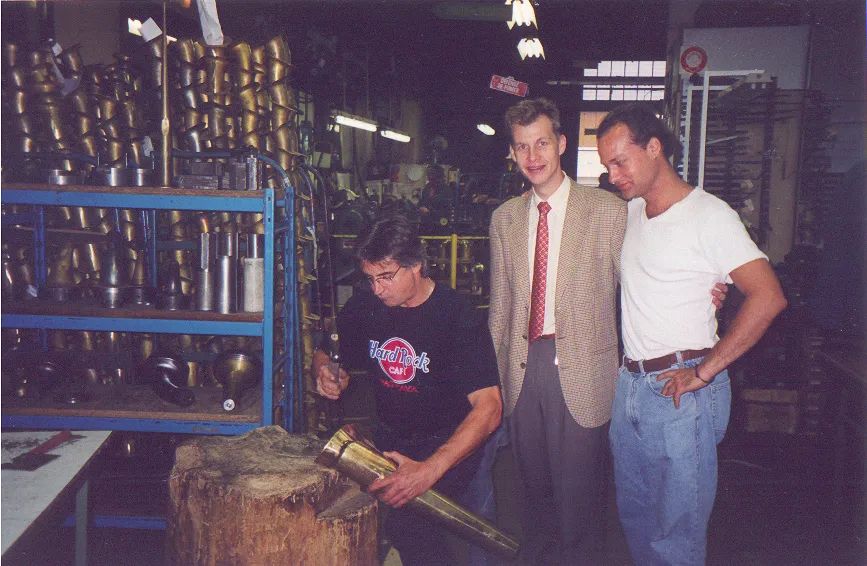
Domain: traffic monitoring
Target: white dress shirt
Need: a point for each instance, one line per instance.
(556, 219)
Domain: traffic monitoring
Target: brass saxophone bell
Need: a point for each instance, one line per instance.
(350, 453)
(242, 54)
(276, 48)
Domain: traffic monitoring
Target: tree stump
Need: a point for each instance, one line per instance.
(260, 499)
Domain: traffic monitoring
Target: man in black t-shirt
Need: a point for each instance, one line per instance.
(437, 387)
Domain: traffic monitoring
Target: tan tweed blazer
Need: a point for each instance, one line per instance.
(587, 277)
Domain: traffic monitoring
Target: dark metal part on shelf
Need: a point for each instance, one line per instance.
(60, 294)
(236, 371)
(164, 373)
(171, 296)
(114, 278)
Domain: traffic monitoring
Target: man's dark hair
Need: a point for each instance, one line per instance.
(526, 112)
(392, 237)
(642, 122)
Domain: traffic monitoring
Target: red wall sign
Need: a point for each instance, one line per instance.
(693, 59)
(509, 85)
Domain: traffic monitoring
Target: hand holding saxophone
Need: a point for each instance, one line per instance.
(411, 479)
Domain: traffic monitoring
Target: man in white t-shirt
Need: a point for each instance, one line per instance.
(671, 406)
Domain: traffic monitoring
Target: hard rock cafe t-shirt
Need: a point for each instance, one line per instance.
(425, 360)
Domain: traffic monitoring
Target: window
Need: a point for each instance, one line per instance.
(649, 83)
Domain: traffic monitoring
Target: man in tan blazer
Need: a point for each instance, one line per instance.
(559, 367)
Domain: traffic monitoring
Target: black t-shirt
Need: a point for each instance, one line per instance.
(424, 360)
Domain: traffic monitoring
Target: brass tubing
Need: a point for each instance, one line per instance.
(165, 122)
(350, 453)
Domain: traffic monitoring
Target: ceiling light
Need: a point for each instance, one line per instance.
(353, 121)
(486, 129)
(523, 14)
(531, 48)
(395, 135)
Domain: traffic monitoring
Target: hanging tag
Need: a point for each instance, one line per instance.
(150, 30)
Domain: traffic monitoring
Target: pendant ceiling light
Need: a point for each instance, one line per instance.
(531, 48)
(523, 13)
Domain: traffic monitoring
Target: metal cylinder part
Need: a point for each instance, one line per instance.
(255, 245)
(254, 284)
(226, 295)
(111, 176)
(227, 244)
(61, 177)
(205, 272)
(141, 177)
(205, 289)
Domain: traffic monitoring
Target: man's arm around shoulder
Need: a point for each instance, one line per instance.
(413, 478)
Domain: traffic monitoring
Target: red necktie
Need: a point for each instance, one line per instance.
(540, 273)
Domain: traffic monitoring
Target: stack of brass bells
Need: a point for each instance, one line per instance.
(17, 113)
(46, 91)
(246, 89)
(284, 106)
(190, 126)
(236, 96)
(83, 114)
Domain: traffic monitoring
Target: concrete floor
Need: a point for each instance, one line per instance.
(776, 505)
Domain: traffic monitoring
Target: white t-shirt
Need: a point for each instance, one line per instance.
(669, 265)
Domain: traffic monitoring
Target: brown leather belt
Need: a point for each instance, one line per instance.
(546, 337)
(663, 362)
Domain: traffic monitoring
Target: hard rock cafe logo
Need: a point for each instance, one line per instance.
(398, 359)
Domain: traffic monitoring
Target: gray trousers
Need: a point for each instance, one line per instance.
(562, 467)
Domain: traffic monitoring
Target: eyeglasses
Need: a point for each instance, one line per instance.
(384, 278)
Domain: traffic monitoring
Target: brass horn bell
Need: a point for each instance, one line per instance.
(350, 453)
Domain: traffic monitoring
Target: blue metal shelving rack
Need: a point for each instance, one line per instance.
(151, 200)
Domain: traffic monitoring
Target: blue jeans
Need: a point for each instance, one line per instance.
(665, 464)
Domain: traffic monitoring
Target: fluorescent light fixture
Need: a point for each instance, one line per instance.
(523, 14)
(395, 135)
(531, 48)
(353, 121)
(486, 129)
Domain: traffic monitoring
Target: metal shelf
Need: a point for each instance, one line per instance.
(143, 424)
(45, 315)
(65, 316)
(136, 197)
